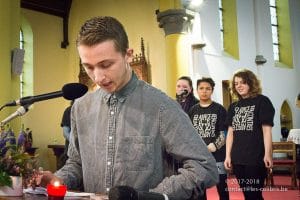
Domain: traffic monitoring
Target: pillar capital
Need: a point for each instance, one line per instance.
(174, 21)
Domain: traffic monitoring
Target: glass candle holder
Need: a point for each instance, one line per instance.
(56, 191)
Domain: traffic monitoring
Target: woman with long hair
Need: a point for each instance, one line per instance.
(249, 137)
(185, 94)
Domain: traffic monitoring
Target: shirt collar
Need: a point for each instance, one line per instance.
(125, 91)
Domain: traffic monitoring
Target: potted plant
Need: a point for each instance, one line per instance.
(16, 167)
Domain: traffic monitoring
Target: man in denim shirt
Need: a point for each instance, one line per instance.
(126, 132)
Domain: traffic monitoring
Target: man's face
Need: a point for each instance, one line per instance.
(107, 67)
(204, 91)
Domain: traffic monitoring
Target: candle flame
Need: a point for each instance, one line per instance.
(56, 183)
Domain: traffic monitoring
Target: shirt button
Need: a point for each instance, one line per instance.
(110, 137)
(107, 189)
(112, 113)
(108, 163)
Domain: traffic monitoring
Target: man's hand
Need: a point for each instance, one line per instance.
(43, 178)
(47, 177)
(211, 147)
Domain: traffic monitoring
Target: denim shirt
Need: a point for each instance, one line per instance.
(131, 138)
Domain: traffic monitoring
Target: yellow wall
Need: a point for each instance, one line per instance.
(9, 25)
(139, 20)
(177, 63)
(176, 60)
(231, 42)
(169, 4)
(50, 72)
(284, 34)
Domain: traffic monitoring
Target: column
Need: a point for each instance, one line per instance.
(176, 22)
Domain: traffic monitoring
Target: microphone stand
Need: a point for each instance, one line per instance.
(20, 112)
(2, 107)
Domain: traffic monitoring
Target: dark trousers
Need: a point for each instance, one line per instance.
(64, 156)
(251, 180)
(222, 188)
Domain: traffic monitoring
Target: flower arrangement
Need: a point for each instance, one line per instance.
(14, 160)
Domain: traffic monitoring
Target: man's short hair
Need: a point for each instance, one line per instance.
(101, 29)
(207, 80)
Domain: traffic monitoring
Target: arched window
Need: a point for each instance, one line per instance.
(22, 74)
(26, 43)
(281, 33)
(274, 23)
(221, 23)
(228, 27)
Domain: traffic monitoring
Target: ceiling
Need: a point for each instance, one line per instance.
(60, 8)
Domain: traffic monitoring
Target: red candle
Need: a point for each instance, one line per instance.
(56, 191)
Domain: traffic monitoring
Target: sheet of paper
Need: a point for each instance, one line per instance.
(78, 194)
(37, 190)
(43, 191)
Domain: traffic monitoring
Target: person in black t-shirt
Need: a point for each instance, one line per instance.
(186, 98)
(66, 126)
(208, 118)
(249, 137)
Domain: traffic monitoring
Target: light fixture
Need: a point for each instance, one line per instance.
(198, 45)
(193, 5)
(259, 60)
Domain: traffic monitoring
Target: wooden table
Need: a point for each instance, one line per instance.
(35, 197)
(43, 197)
(31, 151)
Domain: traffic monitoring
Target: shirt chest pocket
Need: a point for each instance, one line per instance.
(136, 153)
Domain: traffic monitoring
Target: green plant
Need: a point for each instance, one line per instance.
(15, 161)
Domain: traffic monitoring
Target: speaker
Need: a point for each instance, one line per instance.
(17, 61)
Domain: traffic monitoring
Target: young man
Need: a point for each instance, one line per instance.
(125, 132)
(208, 118)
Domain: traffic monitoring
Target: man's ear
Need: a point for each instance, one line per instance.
(129, 55)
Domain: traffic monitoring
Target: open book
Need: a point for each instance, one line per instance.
(43, 191)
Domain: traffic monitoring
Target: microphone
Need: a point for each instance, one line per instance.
(69, 91)
(129, 193)
(19, 112)
(183, 92)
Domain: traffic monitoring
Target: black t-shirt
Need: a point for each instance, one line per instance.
(209, 122)
(246, 117)
(66, 119)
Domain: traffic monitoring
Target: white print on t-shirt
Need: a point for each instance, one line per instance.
(243, 118)
(205, 124)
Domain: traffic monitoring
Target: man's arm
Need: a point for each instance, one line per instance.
(71, 172)
(199, 169)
